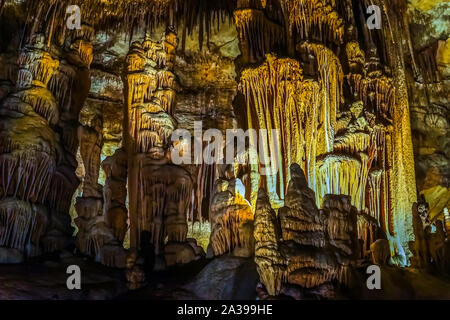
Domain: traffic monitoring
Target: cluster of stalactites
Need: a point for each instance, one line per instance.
(278, 98)
(151, 92)
(331, 79)
(304, 111)
(258, 35)
(308, 16)
(119, 15)
(368, 82)
(23, 224)
(377, 91)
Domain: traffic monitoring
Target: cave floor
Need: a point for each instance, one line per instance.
(410, 284)
(46, 280)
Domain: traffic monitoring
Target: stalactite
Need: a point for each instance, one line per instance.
(204, 191)
(61, 84)
(427, 63)
(306, 17)
(63, 185)
(258, 35)
(339, 174)
(375, 202)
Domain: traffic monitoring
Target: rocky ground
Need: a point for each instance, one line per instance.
(223, 278)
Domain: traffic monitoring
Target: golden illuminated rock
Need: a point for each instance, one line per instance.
(307, 15)
(159, 192)
(231, 219)
(271, 265)
(39, 141)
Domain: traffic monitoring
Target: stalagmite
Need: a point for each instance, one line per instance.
(420, 249)
(300, 219)
(368, 233)
(231, 218)
(380, 252)
(307, 248)
(271, 265)
(341, 223)
(22, 225)
(115, 193)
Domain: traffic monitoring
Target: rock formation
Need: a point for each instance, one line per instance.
(307, 247)
(231, 217)
(343, 142)
(345, 129)
(431, 247)
(159, 192)
(38, 156)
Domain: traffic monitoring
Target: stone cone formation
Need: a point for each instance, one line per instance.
(302, 245)
(270, 262)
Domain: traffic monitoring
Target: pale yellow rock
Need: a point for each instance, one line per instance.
(426, 5)
(438, 198)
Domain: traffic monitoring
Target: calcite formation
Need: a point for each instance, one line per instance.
(159, 192)
(431, 250)
(304, 246)
(345, 143)
(38, 157)
(231, 217)
(346, 146)
(272, 265)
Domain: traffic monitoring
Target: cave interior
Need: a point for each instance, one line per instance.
(344, 164)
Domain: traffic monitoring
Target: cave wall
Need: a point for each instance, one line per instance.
(429, 95)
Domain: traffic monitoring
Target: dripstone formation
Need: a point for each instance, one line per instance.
(340, 144)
